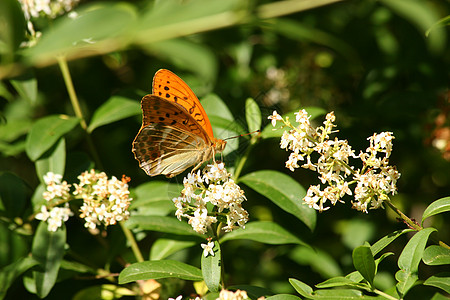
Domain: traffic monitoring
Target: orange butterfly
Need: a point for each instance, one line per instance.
(175, 132)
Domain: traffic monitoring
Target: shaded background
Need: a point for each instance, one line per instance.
(369, 61)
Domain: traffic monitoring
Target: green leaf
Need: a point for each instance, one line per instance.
(103, 292)
(15, 244)
(284, 191)
(436, 255)
(423, 17)
(186, 54)
(155, 191)
(364, 262)
(13, 195)
(53, 161)
(48, 250)
(385, 241)
(46, 132)
(162, 248)
(115, 109)
(222, 121)
(276, 132)
(13, 29)
(405, 281)
(437, 207)
(252, 115)
(445, 21)
(211, 268)
(283, 297)
(337, 281)
(409, 260)
(302, 288)
(26, 87)
(161, 224)
(412, 253)
(94, 24)
(264, 232)
(440, 280)
(9, 273)
(215, 106)
(297, 30)
(159, 269)
(319, 261)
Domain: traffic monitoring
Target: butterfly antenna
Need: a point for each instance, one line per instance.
(233, 137)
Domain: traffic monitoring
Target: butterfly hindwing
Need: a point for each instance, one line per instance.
(167, 150)
(170, 140)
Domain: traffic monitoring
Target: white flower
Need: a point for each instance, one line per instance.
(275, 117)
(216, 187)
(105, 201)
(208, 249)
(55, 217)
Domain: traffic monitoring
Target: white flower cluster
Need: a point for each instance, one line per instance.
(374, 181)
(50, 8)
(225, 295)
(33, 9)
(57, 192)
(55, 217)
(104, 200)
(216, 187)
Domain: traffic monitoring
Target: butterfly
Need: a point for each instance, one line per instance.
(175, 132)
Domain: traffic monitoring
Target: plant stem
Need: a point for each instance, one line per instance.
(134, 246)
(243, 160)
(384, 295)
(404, 217)
(413, 224)
(62, 62)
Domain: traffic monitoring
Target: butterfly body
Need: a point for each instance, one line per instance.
(175, 132)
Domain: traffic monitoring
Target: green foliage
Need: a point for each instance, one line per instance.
(380, 66)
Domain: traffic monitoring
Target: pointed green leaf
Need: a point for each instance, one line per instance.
(284, 191)
(46, 132)
(319, 261)
(436, 255)
(9, 273)
(13, 28)
(48, 250)
(337, 281)
(440, 280)
(161, 224)
(154, 191)
(302, 288)
(94, 23)
(385, 241)
(26, 87)
(412, 253)
(364, 262)
(283, 297)
(405, 281)
(162, 248)
(159, 269)
(185, 54)
(263, 232)
(276, 132)
(437, 207)
(211, 268)
(53, 160)
(252, 115)
(115, 109)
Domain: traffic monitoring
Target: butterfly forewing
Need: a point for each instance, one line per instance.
(171, 87)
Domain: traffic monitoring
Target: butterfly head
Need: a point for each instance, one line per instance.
(219, 145)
